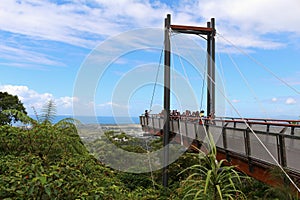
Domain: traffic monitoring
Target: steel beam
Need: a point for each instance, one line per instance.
(208, 46)
(167, 55)
(192, 29)
(213, 66)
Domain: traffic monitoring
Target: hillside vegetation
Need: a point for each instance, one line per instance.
(49, 161)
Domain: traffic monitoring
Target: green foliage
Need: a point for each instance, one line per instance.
(253, 188)
(283, 188)
(27, 177)
(186, 160)
(48, 161)
(48, 112)
(210, 179)
(7, 102)
(43, 139)
(135, 181)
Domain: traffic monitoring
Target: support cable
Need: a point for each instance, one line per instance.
(259, 140)
(247, 125)
(222, 79)
(260, 64)
(150, 166)
(201, 119)
(156, 78)
(248, 85)
(204, 74)
(185, 73)
(181, 63)
(202, 92)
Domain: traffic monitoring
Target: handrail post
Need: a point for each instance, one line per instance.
(225, 143)
(152, 119)
(281, 150)
(248, 148)
(293, 130)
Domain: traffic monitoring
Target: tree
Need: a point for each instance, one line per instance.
(10, 102)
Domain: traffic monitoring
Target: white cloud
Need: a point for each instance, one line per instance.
(256, 16)
(26, 56)
(274, 99)
(31, 98)
(87, 23)
(27, 96)
(290, 101)
(66, 102)
(82, 23)
(75, 22)
(112, 104)
(249, 22)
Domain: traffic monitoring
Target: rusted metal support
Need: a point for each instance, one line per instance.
(192, 29)
(167, 60)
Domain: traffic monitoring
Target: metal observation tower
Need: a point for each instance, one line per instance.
(253, 145)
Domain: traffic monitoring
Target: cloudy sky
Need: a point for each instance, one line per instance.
(45, 43)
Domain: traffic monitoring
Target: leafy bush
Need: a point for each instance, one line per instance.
(49, 161)
(210, 179)
(43, 160)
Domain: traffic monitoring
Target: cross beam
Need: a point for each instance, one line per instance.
(192, 29)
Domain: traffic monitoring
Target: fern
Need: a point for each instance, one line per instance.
(48, 112)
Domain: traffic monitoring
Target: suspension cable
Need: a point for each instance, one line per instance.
(185, 73)
(243, 119)
(252, 131)
(181, 63)
(156, 78)
(248, 84)
(186, 77)
(259, 64)
(150, 166)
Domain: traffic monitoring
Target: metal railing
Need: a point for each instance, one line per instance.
(253, 139)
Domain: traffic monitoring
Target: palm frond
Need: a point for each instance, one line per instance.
(211, 179)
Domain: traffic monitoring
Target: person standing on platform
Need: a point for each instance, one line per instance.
(147, 116)
(201, 115)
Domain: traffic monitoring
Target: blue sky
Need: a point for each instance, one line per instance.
(45, 43)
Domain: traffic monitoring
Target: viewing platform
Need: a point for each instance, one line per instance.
(236, 142)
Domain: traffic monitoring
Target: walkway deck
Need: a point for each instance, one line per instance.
(236, 142)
